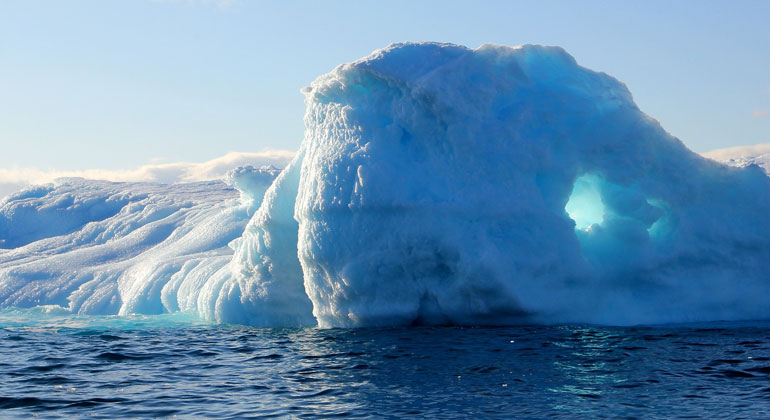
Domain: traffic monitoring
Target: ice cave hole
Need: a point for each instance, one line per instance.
(585, 206)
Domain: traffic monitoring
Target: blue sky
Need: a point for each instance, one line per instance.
(118, 84)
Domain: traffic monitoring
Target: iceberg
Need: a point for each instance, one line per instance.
(98, 247)
(435, 184)
(743, 156)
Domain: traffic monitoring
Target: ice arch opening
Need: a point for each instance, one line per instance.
(624, 205)
(585, 206)
(617, 226)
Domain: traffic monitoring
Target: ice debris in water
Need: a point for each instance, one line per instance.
(435, 184)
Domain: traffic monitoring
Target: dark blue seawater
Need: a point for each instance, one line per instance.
(165, 366)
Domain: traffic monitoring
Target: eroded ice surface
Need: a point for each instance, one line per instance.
(108, 248)
(435, 184)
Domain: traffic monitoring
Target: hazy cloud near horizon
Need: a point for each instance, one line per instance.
(14, 179)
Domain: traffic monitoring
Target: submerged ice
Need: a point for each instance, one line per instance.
(435, 184)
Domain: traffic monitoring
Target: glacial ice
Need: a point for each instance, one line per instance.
(434, 187)
(436, 184)
(743, 156)
(97, 247)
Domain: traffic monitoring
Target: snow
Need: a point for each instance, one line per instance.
(742, 156)
(435, 184)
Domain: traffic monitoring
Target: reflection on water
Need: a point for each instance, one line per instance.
(60, 366)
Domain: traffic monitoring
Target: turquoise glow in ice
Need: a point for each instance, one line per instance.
(585, 205)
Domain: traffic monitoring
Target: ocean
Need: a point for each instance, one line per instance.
(174, 366)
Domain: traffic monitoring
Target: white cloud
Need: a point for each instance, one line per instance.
(761, 113)
(14, 179)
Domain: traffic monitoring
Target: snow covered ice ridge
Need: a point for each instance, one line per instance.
(743, 156)
(436, 184)
(99, 247)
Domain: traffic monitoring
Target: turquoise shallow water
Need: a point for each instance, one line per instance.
(61, 366)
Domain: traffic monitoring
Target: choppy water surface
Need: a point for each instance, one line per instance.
(156, 367)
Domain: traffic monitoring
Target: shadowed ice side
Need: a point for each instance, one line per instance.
(438, 184)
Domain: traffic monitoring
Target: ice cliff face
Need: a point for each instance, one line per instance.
(435, 184)
(435, 180)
